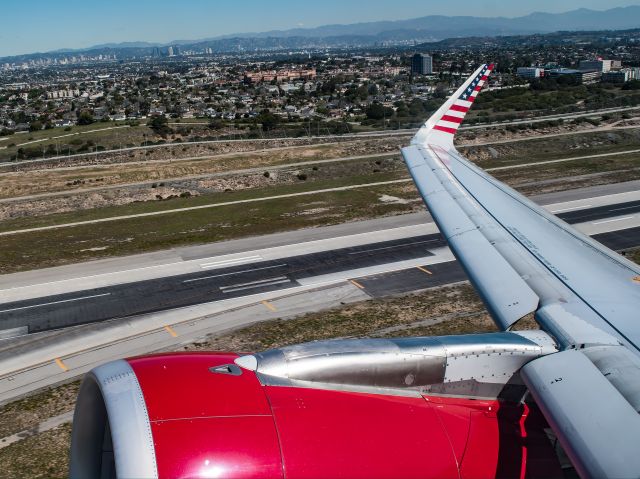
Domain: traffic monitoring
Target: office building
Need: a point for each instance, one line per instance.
(421, 64)
(602, 66)
(530, 72)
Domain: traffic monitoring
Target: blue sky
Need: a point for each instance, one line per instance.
(28, 26)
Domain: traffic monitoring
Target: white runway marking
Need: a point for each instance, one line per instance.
(255, 284)
(396, 246)
(614, 219)
(570, 209)
(237, 272)
(624, 208)
(230, 262)
(55, 302)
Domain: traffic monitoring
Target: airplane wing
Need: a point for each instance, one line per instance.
(523, 260)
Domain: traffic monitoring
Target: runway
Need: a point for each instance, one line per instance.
(249, 275)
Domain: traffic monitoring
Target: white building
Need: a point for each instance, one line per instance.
(63, 94)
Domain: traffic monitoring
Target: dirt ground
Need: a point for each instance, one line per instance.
(216, 183)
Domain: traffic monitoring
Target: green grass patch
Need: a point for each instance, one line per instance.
(80, 243)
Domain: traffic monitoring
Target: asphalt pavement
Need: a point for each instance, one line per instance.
(237, 280)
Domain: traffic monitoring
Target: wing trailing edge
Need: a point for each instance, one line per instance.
(506, 295)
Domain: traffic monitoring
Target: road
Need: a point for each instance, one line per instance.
(355, 136)
(178, 302)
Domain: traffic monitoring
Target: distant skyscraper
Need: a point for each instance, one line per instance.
(176, 50)
(421, 64)
(156, 52)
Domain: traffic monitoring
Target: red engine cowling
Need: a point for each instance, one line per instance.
(201, 416)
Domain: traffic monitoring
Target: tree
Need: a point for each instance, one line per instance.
(35, 125)
(160, 125)
(268, 120)
(377, 111)
(216, 124)
(85, 118)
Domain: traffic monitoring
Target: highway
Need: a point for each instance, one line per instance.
(78, 316)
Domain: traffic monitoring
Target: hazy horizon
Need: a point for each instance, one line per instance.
(41, 26)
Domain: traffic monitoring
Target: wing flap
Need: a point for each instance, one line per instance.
(506, 295)
(583, 271)
(578, 402)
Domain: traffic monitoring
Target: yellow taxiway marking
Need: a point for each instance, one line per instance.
(424, 270)
(171, 331)
(61, 365)
(356, 284)
(269, 306)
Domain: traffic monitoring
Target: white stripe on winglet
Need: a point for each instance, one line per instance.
(457, 114)
(464, 103)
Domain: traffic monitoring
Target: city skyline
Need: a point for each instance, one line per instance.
(42, 26)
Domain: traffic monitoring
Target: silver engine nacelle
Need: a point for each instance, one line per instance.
(479, 365)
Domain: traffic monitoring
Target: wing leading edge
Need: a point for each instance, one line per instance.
(524, 260)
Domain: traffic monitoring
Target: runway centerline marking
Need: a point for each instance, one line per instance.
(356, 284)
(614, 219)
(55, 302)
(424, 270)
(237, 272)
(624, 208)
(61, 365)
(269, 306)
(170, 330)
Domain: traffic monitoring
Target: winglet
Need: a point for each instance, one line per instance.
(444, 123)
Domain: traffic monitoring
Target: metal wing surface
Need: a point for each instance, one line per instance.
(524, 260)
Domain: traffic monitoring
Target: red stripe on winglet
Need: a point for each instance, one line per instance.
(461, 108)
(484, 78)
(452, 119)
(445, 129)
(478, 88)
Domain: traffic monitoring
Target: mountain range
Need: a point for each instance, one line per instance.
(430, 28)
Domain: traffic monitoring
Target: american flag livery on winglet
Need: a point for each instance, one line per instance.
(445, 122)
(450, 121)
